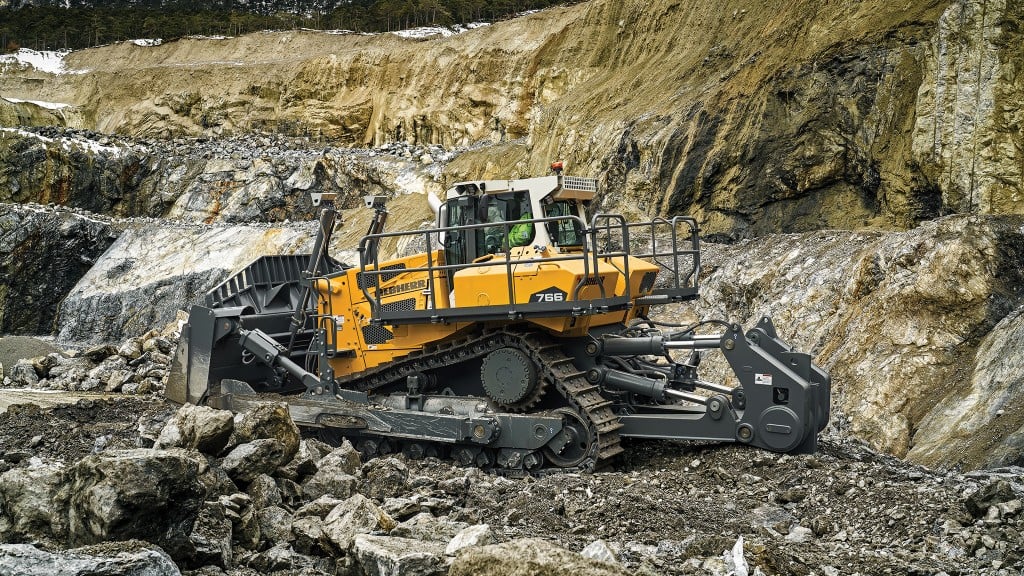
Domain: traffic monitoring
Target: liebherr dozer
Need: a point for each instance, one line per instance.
(518, 340)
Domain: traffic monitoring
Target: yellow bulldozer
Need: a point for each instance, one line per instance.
(518, 338)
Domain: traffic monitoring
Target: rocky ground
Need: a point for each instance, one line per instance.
(83, 490)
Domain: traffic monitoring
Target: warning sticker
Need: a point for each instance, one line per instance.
(765, 379)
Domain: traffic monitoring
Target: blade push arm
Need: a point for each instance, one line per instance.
(780, 404)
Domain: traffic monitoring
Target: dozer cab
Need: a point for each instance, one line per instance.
(517, 339)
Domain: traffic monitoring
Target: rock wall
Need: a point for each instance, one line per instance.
(43, 253)
(156, 268)
(256, 178)
(916, 328)
(757, 117)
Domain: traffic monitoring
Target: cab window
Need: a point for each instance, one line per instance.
(564, 232)
(509, 207)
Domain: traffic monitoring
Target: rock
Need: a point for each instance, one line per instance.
(43, 364)
(157, 343)
(29, 505)
(270, 421)
(264, 492)
(99, 352)
(332, 477)
(131, 349)
(211, 537)
(282, 558)
(384, 478)
(992, 494)
(24, 374)
(356, 515)
(142, 493)
(249, 460)
(476, 535)
(526, 557)
(43, 253)
(799, 534)
(292, 493)
(388, 556)
(216, 482)
(426, 526)
(301, 465)
(245, 525)
(310, 535)
(344, 459)
(275, 524)
(319, 508)
(599, 550)
(128, 558)
(199, 428)
(401, 509)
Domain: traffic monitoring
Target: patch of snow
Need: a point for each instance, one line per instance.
(148, 42)
(41, 104)
(26, 133)
(50, 61)
(425, 32)
(442, 31)
(43, 60)
(68, 143)
(201, 37)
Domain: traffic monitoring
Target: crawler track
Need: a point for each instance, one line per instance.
(593, 444)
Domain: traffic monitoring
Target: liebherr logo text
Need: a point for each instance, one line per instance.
(403, 287)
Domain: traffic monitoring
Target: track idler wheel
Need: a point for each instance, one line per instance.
(574, 444)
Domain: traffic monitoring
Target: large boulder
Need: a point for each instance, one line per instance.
(211, 537)
(357, 515)
(128, 558)
(199, 428)
(335, 475)
(270, 420)
(387, 556)
(528, 557)
(154, 495)
(384, 478)
(29, 506)
(248, 461)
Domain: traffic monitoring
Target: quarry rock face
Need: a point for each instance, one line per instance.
(914, 327)
(758, 120)
(159, 268)
(251, 178)
(43, 253)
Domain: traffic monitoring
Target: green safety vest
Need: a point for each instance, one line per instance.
(522, 233)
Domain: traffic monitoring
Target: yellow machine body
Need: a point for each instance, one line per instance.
(529, 275)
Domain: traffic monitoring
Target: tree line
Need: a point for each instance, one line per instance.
(55, 27)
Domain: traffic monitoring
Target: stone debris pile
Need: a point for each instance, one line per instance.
(138, 366)
(132, 484)
(220, 493)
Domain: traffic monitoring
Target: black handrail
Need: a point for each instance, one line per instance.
(602, 226)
